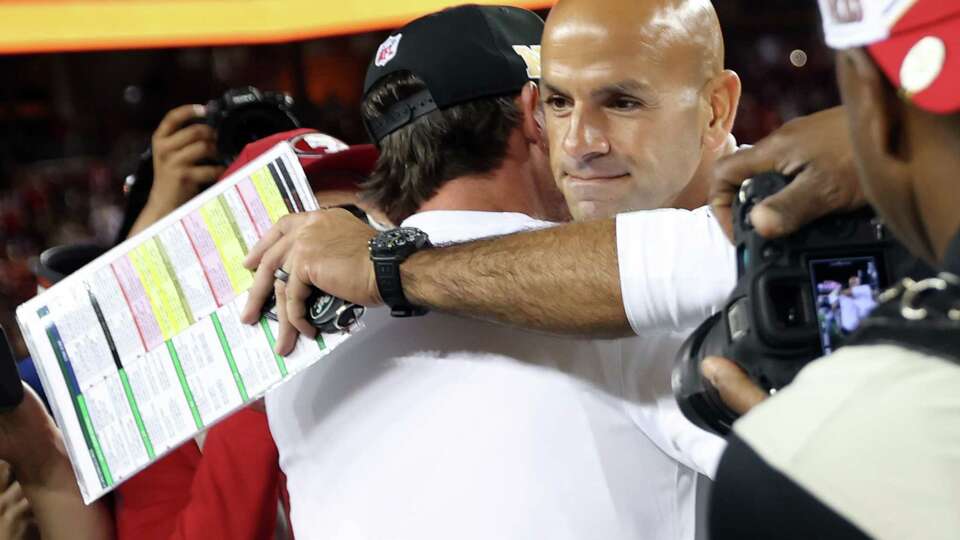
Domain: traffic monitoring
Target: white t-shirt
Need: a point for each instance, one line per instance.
(442, 427)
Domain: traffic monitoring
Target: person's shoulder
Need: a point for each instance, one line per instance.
(855, 398)
(447, 226)
(884, 403)
(850, 421)
(860, 373)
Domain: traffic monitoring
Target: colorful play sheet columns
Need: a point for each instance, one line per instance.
(143, 348)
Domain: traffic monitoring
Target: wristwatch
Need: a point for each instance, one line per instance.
(387, 250)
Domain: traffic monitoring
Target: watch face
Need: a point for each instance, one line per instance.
(399, 239)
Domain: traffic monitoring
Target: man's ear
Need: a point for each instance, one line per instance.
(723, 98)
(533, 130)
(876, 110)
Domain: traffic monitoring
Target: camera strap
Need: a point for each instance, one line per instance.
(920, 315)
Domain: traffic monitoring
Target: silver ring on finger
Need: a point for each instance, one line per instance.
(281, 275)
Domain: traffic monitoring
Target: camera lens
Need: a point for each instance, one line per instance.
(699, 401)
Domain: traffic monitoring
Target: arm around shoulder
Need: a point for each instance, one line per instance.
(563, 280)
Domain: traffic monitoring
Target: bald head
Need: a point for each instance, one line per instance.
(636, 102)
(685, 31)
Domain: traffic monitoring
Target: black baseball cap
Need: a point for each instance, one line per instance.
(461, 54)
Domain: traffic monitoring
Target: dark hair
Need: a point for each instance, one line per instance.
(415, 160)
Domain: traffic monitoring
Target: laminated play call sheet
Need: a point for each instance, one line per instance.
(143, 348)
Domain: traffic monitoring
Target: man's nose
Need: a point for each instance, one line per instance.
(585, 138)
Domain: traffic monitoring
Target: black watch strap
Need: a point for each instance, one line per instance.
(387, 271)
(388, 250)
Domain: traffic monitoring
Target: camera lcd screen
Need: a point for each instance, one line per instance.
(845, 292)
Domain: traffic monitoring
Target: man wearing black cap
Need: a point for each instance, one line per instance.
(444, 427)
(489, 55)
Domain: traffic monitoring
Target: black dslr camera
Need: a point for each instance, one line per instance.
(243, 115)
(240, 116)
(796, 299)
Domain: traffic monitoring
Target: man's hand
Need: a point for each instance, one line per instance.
(736, 389)
(33, 446)
(326, 249)
(815, 148)
(181, 162)
(16, 519)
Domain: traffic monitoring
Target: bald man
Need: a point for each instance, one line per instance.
(569, 279)
(627, 151)
(636, 102)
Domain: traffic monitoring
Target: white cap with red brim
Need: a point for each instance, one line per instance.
(915, 42)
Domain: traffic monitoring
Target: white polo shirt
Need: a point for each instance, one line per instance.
(442, 427)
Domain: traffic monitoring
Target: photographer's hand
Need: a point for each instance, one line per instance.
(28, 436)
(326, 249)
(736, 389)
(16, 521)
(178, 168)
(33, 446)
(816, 148)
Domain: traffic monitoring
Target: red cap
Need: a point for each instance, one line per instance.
(922, 55)
(320, 155)
(915, 42)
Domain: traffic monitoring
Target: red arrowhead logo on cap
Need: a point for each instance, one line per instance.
(387, 50)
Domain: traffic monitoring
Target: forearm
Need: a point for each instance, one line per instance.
(563, 280)
(148, 216)
(58, 509)
(156, 209)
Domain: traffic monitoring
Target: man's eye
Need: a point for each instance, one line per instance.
(558, 103)
(625, 104)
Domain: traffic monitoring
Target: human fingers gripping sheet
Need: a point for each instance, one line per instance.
(143, 348)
